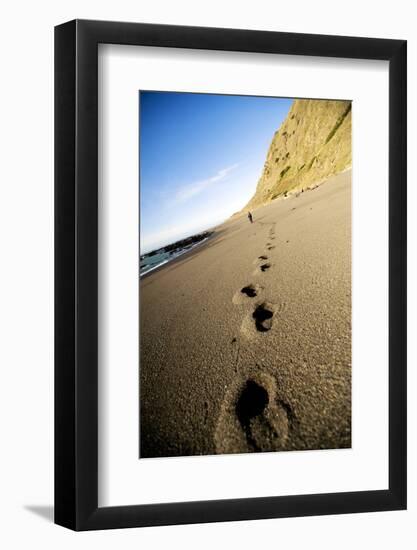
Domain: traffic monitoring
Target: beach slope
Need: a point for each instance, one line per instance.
(245, 342)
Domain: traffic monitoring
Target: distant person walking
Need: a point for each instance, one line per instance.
(250, 217)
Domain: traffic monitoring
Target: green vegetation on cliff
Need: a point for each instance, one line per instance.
(312, 144)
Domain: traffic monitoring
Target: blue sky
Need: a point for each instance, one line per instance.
(201, 156)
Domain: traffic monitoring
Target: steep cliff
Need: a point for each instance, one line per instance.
(312, 144)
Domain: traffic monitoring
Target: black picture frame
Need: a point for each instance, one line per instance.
(76, 272)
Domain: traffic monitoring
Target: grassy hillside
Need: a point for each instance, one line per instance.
(312, 144)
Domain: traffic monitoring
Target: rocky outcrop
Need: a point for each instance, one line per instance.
(312, 144)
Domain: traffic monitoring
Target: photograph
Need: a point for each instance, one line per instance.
(208, 274)
(245, 274)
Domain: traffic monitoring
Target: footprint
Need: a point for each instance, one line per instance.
(270, 247)
(263, 315)
(260, 259)
(249, 291)
(252, 417)
(251, 402)
(257, 321)
(262, 268)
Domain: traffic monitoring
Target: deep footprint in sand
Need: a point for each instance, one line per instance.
(263, 315)
(252, 418)
(264, 423)
(262, 267)
(248, 291)
(259, 321)
(260, 259)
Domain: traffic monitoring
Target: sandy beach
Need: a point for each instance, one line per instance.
(245, 342)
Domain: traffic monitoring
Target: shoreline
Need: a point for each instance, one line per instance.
(179, 256)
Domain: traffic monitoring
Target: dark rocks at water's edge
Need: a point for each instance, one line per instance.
(179, 245)
(189, 241)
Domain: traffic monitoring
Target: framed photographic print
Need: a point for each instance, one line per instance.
(230, 247)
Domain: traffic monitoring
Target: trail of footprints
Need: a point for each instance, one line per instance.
(252, 417)
(261, 318)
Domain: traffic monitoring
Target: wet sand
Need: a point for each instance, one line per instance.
(264, 369)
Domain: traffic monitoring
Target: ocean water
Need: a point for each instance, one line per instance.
(150, 262)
